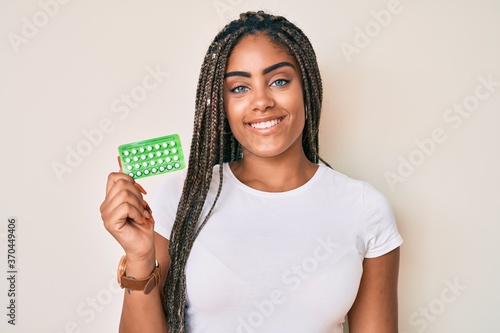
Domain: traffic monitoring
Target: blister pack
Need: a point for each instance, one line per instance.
(152, 157)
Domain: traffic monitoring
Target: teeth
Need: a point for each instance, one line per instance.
(266, 124)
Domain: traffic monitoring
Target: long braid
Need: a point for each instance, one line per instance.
(213, 143)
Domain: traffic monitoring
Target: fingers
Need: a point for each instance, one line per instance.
(115, 177)
(141, 189)
(148, 212)
(122, 214)
(124, 201)
(127, 216)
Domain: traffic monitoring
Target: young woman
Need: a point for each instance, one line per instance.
(260, 235)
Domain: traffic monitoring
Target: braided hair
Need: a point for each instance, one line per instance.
(213, 143)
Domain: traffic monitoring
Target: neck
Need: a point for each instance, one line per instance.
(274, 174)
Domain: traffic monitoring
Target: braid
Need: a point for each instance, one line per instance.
(213, 143)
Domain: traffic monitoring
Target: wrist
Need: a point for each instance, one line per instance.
(140, 267)
(132, 282)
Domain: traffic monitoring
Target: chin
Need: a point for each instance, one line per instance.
(264, 153)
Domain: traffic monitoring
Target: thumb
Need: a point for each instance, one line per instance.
(119, 163)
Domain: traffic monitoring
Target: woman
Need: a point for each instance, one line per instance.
(261, 237)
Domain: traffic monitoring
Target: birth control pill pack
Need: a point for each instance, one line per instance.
(152, 157)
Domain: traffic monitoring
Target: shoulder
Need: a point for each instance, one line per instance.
(340, 183)
(171, 185)
(373, 204)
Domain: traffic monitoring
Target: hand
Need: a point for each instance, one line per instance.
(128, 217)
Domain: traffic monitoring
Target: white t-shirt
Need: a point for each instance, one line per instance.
(279, 262)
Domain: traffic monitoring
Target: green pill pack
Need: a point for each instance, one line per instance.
(152, 157)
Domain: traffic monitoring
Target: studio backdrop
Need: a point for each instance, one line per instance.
(411, 105)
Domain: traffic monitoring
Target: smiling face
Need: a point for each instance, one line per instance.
(263, 98)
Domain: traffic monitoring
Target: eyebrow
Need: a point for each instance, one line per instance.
(265, 71)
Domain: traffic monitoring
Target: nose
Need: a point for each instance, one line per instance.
(262, 99)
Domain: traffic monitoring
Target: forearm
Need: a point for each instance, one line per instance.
(128, 219)
(140, 312)
(143, 313)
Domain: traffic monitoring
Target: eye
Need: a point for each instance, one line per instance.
(280, 82)
(239, 89)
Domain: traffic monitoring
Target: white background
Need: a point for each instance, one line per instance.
(66, 74)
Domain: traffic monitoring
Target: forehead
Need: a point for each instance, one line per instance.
(257, 51)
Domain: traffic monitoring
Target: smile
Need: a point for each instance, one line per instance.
(266, 124)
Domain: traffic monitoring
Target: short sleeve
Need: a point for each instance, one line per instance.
(165, 202)
(382, 235)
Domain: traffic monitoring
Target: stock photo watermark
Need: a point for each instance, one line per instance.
(225, 8)
(453, 117)
(429, 313)
(12, 270)
(122, 107)
(364, 35)
(30, 27)
(229, 9)
(88, 310)
(292, 279)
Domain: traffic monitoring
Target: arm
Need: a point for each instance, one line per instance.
(375, 309)
(127, 217)
(144, 313)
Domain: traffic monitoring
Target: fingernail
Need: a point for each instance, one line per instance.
(143, 191)
(119, 163)
(146, 206)
(152, 220)
(146, 214)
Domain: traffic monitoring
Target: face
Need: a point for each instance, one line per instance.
(263, 98)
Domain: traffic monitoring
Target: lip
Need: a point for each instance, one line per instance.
(265, 130)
